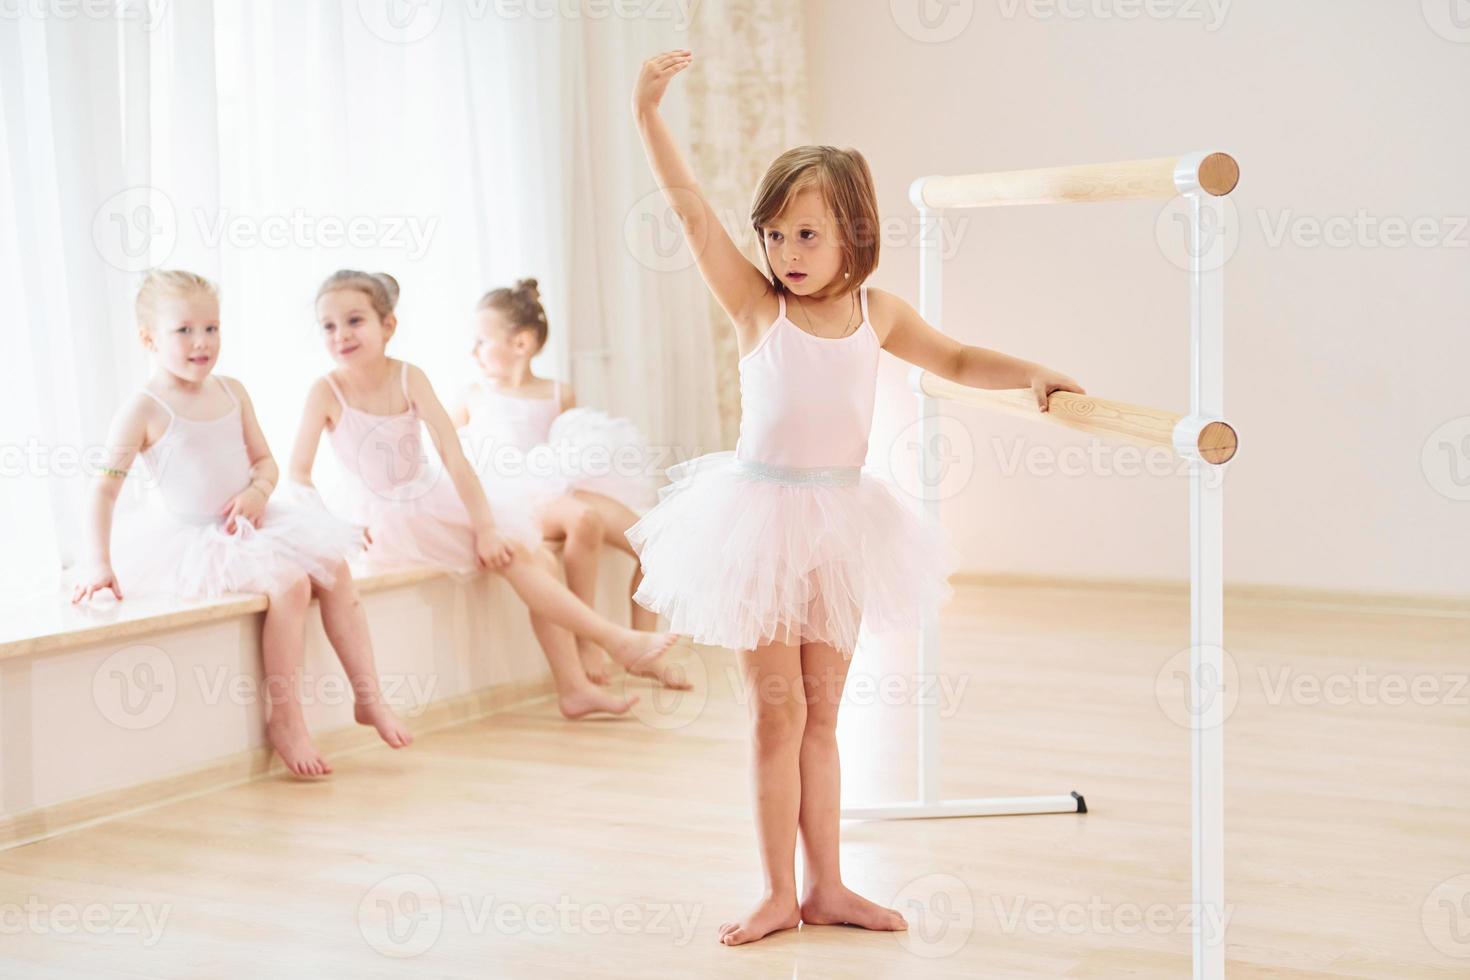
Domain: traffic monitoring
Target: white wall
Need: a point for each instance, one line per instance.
(1341, 361)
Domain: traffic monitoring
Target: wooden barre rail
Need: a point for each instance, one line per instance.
(1214, 173)
(1213, 440)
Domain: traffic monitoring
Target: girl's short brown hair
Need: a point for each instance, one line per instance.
(160, 284)
(521, 305)
(381, 289)
(847, 187)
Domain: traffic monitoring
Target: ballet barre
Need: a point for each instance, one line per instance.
(1210, 440)
(1201, 436)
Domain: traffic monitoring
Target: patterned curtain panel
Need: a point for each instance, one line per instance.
(747, 98)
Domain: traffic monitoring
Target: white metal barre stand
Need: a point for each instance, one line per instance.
(1206, 671)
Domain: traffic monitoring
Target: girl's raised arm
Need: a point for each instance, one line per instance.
(737, 284)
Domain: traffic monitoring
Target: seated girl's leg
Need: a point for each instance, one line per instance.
(546, 596)
(571, 520)
(825, 899)
(771, 676)
(283, 644)
(616, 519)
(346, 627)
(576, 695)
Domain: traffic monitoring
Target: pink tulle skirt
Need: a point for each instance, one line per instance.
(156, 552)
(736, 560)
(426, 523)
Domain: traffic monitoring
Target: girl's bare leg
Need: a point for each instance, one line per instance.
(825, 899)
(346, 627)
(576, 695)
(616, 519)
(571, 520)
(283, 644)
(771, 675)
(546, 596)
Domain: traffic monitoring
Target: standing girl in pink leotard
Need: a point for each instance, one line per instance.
(581, 473)
(375, 409)
(217, 523)
(783, 548)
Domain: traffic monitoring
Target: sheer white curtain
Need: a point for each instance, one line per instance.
(266, 144)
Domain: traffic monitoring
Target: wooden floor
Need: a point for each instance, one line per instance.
(526, 846)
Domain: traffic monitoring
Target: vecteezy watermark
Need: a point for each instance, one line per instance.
(1193, 700)
(933, 458)
(39, 917)
(1097, 917)
(1096, 458)
(940, 910)
(1363, 229)
(1210, 14)
(1450, 19)
(1364, 687)
(947, 690)
(148, 13)
(655, 234)
(1445, 916)
(138, 228)
(667, 709)
(137, 687)
(932, 21)
(1445, 459)
(404, 915)
(410, 21)
(1219, 233)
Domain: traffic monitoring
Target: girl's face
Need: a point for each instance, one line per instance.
(500, 349)
(803, 244)
(351, 328)
(184, 335)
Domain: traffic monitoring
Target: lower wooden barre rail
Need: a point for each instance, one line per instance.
(1211, 440)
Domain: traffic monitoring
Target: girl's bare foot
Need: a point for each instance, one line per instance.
(580, 703)
(672, 676)
(594, 664)
(381, 717)
(635, 650)
(772, 914)
(841, 905)
(289, 737)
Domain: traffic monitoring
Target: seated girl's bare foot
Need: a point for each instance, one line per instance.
(672, 676)
(594, 665)
(635, 649)
(381, 717)
(841, 905)
(589, 700)
(292, 742)
(770, 915)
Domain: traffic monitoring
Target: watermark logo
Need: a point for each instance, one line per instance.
(400, 21)
(1445, 916)
(136, 229)
(1445, 459)
(1450, 19)
(149, 13)
(1210, 14)
(932, 21)
(1219, 233)
(666, 709)
(940, 910)
(1193, 705)
(936, 463)
(136, 687)
(401, 916)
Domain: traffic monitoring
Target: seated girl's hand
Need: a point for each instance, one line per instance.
(94, 578)
(1045, 381)
(491, 549)
(248, 503)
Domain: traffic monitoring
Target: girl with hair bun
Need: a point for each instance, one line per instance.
(581, 474)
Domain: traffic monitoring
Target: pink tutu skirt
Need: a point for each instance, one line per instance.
(154, 551)
(425, 523)
(738, 554)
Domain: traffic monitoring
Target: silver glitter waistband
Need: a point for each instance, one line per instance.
(796, 476)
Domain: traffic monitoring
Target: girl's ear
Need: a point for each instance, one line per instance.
(390, 324)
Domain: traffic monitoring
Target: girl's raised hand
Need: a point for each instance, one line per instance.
(654, 77)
